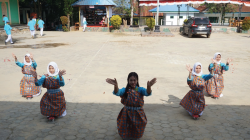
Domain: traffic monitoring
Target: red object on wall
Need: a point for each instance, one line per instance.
(33, 15)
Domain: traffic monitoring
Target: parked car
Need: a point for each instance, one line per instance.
(197, 26)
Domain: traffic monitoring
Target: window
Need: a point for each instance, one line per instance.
(189, 17)
(181, 17)
(171, 17)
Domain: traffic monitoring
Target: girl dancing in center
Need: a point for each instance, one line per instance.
(53, 102)
(194, 101)
(131, 121)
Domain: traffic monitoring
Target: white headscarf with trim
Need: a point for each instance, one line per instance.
(53, 64)
(24, 61)
(215, 55)
(195, 65)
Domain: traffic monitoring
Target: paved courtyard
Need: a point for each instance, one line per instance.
(90, 58)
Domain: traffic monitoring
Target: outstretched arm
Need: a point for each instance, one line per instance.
(61, 80)
(16, 61)
(150, 84)
(113, 82)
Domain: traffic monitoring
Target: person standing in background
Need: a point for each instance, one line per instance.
(41, 25)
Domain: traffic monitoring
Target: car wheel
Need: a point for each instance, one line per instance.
(189, 34)
(208, 35)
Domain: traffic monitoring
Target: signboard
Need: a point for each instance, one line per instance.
(91, 6)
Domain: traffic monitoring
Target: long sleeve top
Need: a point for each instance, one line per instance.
(141, 90)
(225, 67)
(34, 64)
(41, 81)
(203, 76)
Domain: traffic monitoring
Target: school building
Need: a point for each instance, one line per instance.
(10, 8)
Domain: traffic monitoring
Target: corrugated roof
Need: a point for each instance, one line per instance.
(174, 8)
(94, 2)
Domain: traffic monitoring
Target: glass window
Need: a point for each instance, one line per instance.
(181, 17)
(201, 21)
(189, 17)
(171, 17)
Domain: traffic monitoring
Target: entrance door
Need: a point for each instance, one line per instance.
(4, 9)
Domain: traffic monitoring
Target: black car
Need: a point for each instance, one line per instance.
(197, 26)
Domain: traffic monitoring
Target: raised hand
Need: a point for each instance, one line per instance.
(34, 74)
(189, 68)
(152, 82)
(213, 61)
(229, 60)
(112, 81)
(13, 55)
(31, 56)
(62, 72)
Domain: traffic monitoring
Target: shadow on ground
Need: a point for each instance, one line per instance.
(22, 120)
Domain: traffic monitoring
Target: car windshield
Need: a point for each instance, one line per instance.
(201, 21)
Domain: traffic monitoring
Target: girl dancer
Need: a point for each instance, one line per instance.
(28, 88)
(194, 101)
(53, 102)
(131, 121)
(215, 86)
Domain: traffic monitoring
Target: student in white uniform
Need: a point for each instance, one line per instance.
(84, 24)
(41, 25)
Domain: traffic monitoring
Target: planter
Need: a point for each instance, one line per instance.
(134, 26)
(157, 28)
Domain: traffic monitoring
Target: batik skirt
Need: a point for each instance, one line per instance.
(193, 102)
(53, 103)
(28, 87)
(131, 122)
(215, 85)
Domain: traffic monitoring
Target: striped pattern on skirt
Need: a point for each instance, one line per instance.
(28, 87)
(131, 121)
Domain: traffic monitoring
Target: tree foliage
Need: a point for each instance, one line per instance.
(150, 23)
(246, 24)
(116, 21)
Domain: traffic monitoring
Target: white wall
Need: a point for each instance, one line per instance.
(174, 21)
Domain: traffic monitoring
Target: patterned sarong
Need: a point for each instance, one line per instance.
(194, 101)
(27, 84)
(215, 85)
(53, 101)
(131, 121)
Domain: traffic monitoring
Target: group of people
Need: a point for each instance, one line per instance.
(32, 27)
(213, 84)
(53, 102)
(131, 121)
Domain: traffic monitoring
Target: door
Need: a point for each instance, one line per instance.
(4, 9)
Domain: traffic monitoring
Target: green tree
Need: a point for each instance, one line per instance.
(150, 23)
(222, 8)
(116, 21)
(68, 9)
(246, 24)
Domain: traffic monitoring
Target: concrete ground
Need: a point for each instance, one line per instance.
(90, 58)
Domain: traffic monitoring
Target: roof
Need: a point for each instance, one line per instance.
(94, 2)
(201, 8)
(174, 9)
(245, 9)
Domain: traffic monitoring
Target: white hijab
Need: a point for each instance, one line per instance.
(215, 55)
(84, 19)
(55, 67)
(24, 61)
(195, 65)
